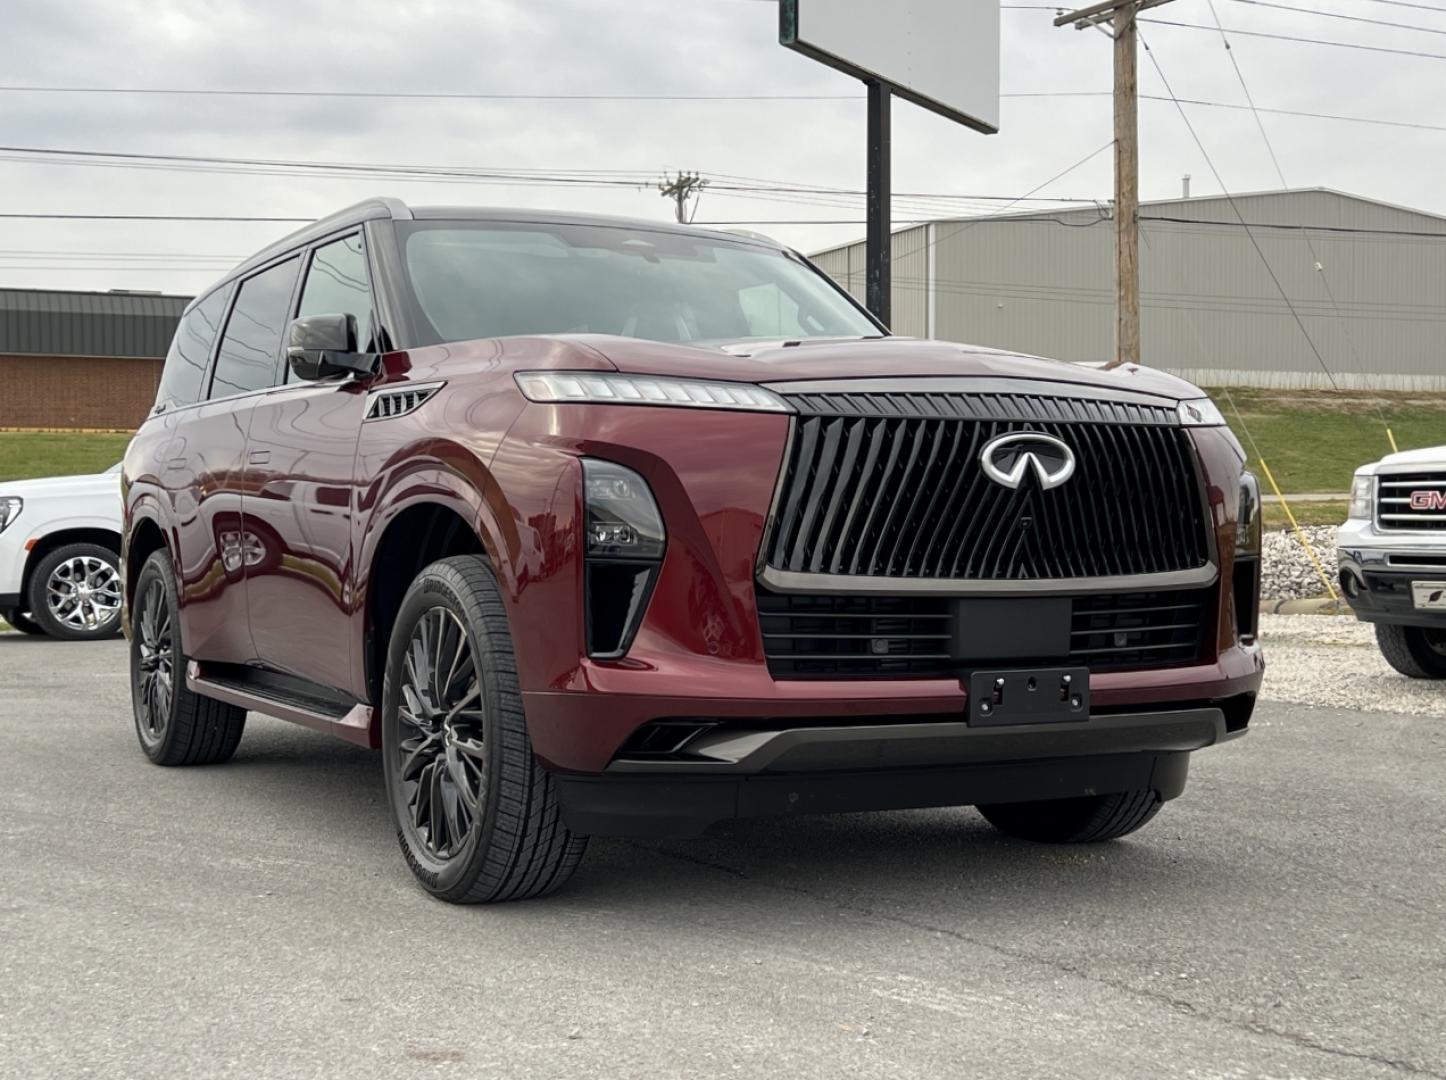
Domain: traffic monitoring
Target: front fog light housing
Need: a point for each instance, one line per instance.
(1363, 491)
(1245, 579)
(624, 551)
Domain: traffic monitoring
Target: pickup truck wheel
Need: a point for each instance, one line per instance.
(477, 816)
(175, 726)
(21, 621)
(1075, 821)
(75, 593)
(1416, 651)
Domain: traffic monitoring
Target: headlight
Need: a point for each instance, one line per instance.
(1200, 412)
(1247, 519)
(607, 388)
(1363, 491)
(624, 551)
(10, 506)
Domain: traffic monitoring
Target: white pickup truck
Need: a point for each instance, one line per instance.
(1393, 558)
(59, 555)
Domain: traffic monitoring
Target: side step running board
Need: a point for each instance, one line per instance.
(354, 723)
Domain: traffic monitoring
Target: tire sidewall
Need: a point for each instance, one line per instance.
(39, 608)
(441, 586)
(156, 568)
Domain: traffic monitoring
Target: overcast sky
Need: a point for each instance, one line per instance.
(657, 47)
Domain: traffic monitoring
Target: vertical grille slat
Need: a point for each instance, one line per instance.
(889, 485)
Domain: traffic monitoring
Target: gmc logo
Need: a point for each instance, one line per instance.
(1428, 500)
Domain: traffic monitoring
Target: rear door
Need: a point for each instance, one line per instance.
(213, 544)
(300, 495)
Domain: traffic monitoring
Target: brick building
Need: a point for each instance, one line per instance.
(82, 359)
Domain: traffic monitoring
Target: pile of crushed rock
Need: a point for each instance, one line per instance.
(1287, 571)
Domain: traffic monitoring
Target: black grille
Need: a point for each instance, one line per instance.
(1396, 492)
(889, 636)
(890, 485)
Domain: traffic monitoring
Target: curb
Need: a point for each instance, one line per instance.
(1322, 605)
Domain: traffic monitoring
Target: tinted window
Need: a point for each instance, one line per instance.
(185, 369)
(251, 344)
(488, 279)
(336, 284)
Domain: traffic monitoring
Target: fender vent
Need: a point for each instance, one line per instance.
(388, 404)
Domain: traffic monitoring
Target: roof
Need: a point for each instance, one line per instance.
(56, 322)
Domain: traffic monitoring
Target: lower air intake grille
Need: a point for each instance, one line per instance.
(891, 636)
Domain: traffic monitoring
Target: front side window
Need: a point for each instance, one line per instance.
(247, 359)
(185, 369)
(337, 284)
(491, 279)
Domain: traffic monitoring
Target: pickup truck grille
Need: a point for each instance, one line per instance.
(890, 636)
(890, 485)
(1411, 500)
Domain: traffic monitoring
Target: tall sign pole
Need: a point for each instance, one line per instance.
(878, 235)
(1121, 15)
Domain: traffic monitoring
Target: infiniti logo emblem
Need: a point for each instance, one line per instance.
(1007, 459)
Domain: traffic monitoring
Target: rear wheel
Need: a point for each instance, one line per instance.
(21, 621)
(175, 725)
(75, 593)
(1417, 651)
(1084, 820)
(477, 816)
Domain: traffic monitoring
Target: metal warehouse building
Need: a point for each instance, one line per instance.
(1366, 280)
(82, 359)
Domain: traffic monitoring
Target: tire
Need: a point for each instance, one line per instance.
(1085, 820)
(75, 593)
(21, 621)
(1415, 651)
(460, 745)
(175, 726)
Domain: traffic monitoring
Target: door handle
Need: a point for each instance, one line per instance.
(259, 457)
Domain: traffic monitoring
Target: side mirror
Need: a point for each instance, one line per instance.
(320, 346)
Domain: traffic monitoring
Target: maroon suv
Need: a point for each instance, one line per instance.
(603, 527)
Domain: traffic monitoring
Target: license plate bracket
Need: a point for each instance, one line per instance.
(1029, 696)
(1428, 595)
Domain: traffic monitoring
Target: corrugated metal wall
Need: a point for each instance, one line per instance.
(1043, 284)
(45, 322)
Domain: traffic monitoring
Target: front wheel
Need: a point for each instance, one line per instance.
(1416, 651)
(1084, 820)
(477, 816)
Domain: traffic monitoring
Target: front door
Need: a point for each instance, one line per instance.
(300, 494)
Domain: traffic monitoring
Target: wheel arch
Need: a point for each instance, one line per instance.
(101, 534)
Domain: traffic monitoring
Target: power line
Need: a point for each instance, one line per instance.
(1337, 15)
(1300, 40)
(419, 95)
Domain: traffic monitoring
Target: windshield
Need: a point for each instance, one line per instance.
(490, 279)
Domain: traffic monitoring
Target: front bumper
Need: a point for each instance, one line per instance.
(832, 769)
(1377, 567)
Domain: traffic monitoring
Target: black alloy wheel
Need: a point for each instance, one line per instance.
(155, 648)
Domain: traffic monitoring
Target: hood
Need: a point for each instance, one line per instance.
(866, 358)
(1429, 455)
(106, 483)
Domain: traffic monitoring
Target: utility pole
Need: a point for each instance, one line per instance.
(680, 190)
(1121, 15)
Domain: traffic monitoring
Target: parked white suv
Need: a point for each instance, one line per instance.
(60, 554)
(1393, 558)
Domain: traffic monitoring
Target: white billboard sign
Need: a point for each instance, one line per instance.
(941, 54)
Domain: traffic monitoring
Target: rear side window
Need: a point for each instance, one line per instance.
(185, 370)
(336, 284)
(247, 359)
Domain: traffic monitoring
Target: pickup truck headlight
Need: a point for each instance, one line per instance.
(624, 551)
(1363, 492)
(10, 507)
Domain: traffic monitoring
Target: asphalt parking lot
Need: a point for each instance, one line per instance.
(1285, 918)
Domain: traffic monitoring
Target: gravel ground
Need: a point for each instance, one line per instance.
(1287, 572)
(1332, 662)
